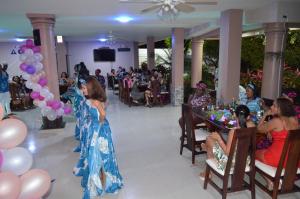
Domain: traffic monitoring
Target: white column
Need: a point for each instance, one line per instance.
(177, 66)
(229, 55)
(197, 60)
(150, 53)
(274, 59)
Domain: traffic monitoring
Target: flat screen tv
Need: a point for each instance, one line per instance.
(104, 55)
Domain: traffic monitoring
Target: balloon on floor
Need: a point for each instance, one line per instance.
(17, 181)
(32, 71)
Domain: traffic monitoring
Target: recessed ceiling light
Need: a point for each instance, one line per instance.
(103, 39)
(20, 40)
(124, 19)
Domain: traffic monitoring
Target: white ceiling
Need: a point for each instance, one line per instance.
(79, 20)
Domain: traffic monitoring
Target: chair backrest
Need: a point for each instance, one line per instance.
(243, 146)
(188, 124)
(290, 157)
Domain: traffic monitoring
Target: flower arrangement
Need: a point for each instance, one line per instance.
(223, 116)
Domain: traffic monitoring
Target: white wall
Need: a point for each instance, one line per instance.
(83, 51)
(12, 60)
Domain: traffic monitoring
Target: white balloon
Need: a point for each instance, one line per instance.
(46, 110)
(26, 76)
(36, 87)
(60, 112)
(28, 52)
(17, 160)
(30, 60)
(39, 66)
(44, 92)
(29, 84)
(52, 115)
(50, 96)
(42, 104)
(38, 57)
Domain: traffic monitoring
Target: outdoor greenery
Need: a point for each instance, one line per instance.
(252, 57)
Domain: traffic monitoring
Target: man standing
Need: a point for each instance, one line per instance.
(100, 78)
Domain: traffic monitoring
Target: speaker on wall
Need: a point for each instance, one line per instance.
(36, 37)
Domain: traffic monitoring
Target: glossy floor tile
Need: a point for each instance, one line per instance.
(147, 146)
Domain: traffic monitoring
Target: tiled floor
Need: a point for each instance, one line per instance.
(147, 145)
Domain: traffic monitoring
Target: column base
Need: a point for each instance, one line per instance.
(177, 96)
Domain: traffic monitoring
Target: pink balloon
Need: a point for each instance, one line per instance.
(56, 105)
(41, 98)
(36, 49)
(29, 43)
(1, 159)
(1, 112)
(67, 110)
(12, 133)
(35, 184)
(10, 185)
(43, 81)
(23, 48)
(23, 67)
(49, 103)
(35, 95)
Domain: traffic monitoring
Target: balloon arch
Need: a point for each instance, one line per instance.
(32, 71)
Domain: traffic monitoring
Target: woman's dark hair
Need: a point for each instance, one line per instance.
(242, 112)
(64, 73)
(95, 90)
(286, 107)
(254, 89)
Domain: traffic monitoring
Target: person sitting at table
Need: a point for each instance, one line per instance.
(153, 90)
(219, 149)
(200, 99)
(64, 79)
(135, 93)
(284, 119)
(252, 101)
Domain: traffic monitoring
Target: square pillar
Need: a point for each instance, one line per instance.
(150, 53)
(276, 34)
(177, 66)
(229, 55)
(61, 54)
(197, 60)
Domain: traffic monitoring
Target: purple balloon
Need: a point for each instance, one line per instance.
(43, 81)
(67, 110)
(1, 159)
(36, 49)
(35, 95)
(56, 105)
(23, 67)
(30, 69)
(29, 43)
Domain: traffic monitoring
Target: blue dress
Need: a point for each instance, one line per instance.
(101, 156)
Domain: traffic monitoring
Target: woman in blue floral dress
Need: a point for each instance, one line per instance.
(103, 173)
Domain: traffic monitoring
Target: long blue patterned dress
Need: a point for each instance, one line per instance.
(101, 156)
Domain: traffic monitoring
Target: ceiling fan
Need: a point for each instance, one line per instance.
(111, 38)
(171, 6)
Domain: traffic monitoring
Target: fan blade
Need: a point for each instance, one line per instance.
(202, 2)
(185, 7)
(137, 1)
(151, 8)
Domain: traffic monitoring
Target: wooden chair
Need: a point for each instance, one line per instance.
(280, 175)
(127, 98)
(243, 145)
(193, 138)
(121, 90)
(17, 101)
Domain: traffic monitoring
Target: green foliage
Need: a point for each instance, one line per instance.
(292, 52)
(252, 54)
(211, 53)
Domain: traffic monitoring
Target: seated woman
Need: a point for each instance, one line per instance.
(26, 100)
(64, 79)
(153, 91)
(215, 145)
(284, 119)
(252, 101)
(135, 93)
(200, 99)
